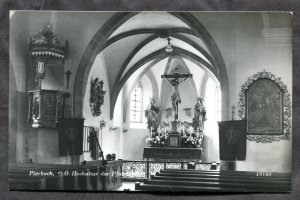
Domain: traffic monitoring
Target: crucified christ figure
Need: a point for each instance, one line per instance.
(175, 98)
(174, 79)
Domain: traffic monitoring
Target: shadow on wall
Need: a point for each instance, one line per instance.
(211, 141)
(13, 117)
(267, 157)
(134, 143)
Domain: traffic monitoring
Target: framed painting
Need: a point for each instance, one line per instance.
(266, 106)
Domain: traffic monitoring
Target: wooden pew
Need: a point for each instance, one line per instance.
(222, 181)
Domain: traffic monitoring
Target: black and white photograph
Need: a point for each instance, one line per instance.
(150, 101)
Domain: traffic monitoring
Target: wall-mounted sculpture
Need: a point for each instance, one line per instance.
(124, 130)
(96, 96)
(188, 111)
(265, 104)
(113, 128)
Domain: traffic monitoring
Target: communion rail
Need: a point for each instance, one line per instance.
(142, 169)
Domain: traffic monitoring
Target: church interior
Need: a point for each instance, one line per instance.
(146, 100)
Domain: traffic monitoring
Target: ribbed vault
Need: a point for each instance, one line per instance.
(205, 55)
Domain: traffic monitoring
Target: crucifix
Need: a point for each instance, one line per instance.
(175, 79)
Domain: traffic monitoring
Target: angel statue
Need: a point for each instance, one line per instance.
(151, 113)
(199, 116)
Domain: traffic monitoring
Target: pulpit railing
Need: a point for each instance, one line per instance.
(142, 169)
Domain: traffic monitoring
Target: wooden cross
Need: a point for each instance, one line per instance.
(175, 79)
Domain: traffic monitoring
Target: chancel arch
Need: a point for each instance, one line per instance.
(160, 54)
(99, 43)
(133, 56)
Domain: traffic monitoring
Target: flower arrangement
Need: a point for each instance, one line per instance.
(192, 140)
(156, 140)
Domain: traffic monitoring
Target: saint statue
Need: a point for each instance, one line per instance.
(199, 116)
(152, 115)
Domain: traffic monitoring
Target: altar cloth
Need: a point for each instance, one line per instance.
(172, 153)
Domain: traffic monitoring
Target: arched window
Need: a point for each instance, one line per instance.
(213, 113)
(213, 100)
(136, 104)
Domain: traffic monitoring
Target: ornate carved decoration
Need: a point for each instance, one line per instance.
(188, 111)
(46, 107)
(36, 105)
(47, 43)
(287, 113)
(140, 169)
(96, 96)
(134, 169)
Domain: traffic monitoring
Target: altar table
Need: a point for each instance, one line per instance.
(172, 153)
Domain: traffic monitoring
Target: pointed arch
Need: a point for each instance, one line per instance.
(102, 35)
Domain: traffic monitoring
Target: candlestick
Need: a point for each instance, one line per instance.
(232, 113)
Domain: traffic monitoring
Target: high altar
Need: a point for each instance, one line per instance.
(183, 154)
(183, 140)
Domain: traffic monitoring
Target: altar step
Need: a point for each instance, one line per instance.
(210, 181)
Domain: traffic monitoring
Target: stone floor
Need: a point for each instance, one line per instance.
(126, 186)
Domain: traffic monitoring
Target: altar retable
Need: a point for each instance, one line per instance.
(174, 149)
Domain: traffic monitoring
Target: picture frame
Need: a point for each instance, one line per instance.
(174, 140)
(273, 91)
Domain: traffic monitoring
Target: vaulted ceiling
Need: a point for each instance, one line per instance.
(137, 47)
(133, 45)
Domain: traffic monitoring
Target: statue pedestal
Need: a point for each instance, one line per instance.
(175, 125)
